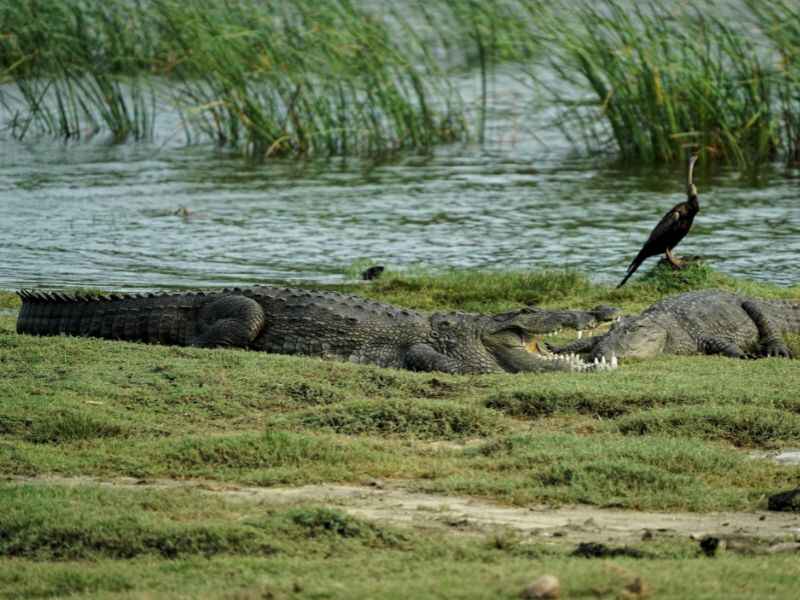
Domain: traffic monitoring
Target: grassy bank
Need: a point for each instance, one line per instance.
(666, 434)
(175, 544)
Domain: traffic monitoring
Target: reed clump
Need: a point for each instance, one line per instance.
(267, 79)
(660, 80)
(300, 78)
(779, 21)
(76, 68)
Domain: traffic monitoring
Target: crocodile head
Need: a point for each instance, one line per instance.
(508, 341)
(633, 337)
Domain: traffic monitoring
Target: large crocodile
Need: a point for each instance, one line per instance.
(704, 322)
(314, 323)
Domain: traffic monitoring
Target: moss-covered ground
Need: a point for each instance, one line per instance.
(672, 433)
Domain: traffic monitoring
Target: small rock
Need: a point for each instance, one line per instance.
(785, 501)
(709, 545)
(547, 586)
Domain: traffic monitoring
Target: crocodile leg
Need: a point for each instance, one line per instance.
(229, 321)
(423, 357)
(770, 341)
(715, 345)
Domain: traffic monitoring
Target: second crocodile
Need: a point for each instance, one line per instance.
(703, 322)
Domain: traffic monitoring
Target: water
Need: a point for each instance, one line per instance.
(106, 216)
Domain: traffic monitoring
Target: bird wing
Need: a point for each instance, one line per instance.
(664, 226)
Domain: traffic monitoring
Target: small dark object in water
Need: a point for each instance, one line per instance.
(372, 273)
(595, 550)
(709, 545)
(670, 230)
(785, 501)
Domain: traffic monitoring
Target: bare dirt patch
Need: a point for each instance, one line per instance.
(389, 502)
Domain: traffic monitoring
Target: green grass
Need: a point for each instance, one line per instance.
(88, 542)
(672, 433)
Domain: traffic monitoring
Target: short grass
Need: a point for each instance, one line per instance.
(665, 434)
(88, 542)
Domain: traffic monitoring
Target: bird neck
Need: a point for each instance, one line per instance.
(693, 202)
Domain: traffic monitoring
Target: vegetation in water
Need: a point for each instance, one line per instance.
(304, 78)
(662, 79)
(268, 79)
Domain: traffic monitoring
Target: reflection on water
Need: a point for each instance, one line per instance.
(109, 216)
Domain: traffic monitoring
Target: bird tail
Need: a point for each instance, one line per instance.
(632, 268)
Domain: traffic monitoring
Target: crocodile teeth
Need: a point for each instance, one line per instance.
(580, 333)
(614, 362)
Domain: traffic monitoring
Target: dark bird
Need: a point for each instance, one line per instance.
(671, 229)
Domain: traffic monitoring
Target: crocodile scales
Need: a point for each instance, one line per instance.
(313, 323)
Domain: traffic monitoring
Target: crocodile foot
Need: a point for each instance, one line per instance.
(776, 348)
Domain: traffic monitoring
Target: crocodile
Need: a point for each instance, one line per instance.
(701, 322)
(315, 323)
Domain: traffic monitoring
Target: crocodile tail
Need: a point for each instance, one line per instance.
(151, 318)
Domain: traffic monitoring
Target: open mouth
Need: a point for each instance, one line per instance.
(559, 337)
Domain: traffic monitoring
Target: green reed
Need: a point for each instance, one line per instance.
(779, 21)
(265, 78)
(76, 69)
(660, 80)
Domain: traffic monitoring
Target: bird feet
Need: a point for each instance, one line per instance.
(678, 264)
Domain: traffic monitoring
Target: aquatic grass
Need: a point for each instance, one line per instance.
(76, 69)
(660, 81)
(265, 79)
(779, 21)
(307, 81)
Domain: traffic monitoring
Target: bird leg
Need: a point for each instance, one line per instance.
(676, 264)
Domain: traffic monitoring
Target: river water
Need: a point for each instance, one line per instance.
(109, 216)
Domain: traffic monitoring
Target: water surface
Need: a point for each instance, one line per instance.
(110, 216)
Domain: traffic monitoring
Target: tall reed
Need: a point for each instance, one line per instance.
(779, 21)
(266, 78)
(76, 68)
(660, 80)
